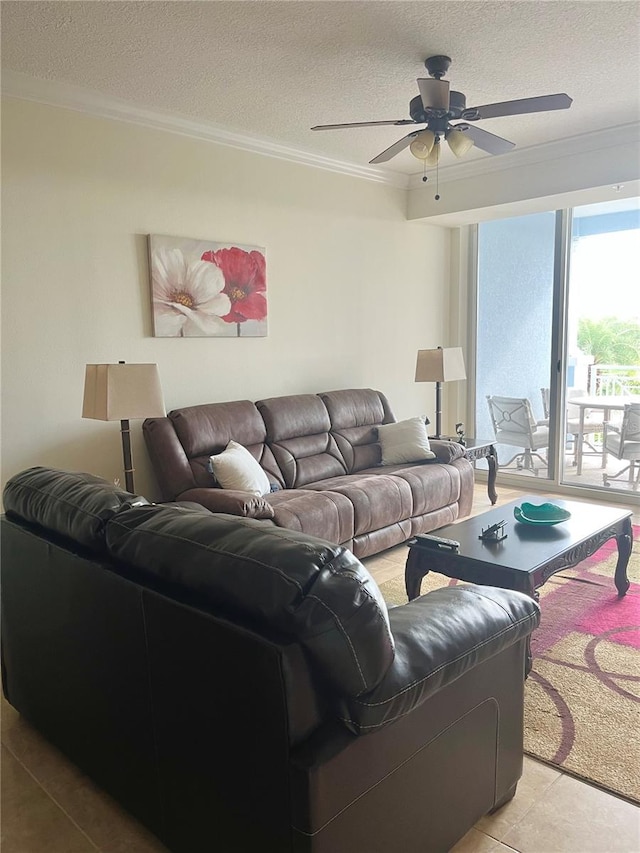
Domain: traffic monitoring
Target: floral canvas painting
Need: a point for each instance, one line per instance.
(206, 289)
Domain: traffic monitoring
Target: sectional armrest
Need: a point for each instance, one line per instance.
(446, 451)
(229, 501)
(438, 637)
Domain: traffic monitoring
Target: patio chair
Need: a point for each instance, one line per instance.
(623, 442)
(593, 423)
(514, 425)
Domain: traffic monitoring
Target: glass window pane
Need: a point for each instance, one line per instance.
(514, 326)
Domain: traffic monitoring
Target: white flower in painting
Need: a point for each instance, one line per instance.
(187, 295)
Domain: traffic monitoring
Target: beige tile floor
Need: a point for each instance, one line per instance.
(49, 806)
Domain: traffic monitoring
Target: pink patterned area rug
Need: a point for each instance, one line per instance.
(582, 697)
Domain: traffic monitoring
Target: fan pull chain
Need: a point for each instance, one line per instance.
(437, 196)
(424, 171)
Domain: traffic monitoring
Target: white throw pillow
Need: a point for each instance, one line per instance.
(236, 468)
(405, 441)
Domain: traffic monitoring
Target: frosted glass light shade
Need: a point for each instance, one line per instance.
(422, 144)
(459, 142)
(434, 156)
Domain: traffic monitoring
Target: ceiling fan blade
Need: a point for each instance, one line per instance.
(434, 93)
(362, 124)
(543, 103)
(394, 149)
(488, 142)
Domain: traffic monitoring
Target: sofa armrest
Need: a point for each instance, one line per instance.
(438, 637)
(446, 451)
(229, 501)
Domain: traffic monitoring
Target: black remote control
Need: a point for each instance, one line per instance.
(426, 540)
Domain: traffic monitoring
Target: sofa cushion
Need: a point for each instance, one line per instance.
(297, 429)
(325, 514)
(235, 468)
(76, 506)
(355, 415)
(283, 580)
(438, 638)
(404, 441)
(206, 430)
(377, 500)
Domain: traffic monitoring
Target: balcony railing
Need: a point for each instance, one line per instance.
(614, 379)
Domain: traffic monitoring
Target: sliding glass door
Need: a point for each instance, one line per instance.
(557, 342)
(603, 339)
(514, 330)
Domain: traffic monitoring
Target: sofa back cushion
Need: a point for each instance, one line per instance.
(278, 579)
(207, 430)
(355, 415)
(298, 434)
(68, 504)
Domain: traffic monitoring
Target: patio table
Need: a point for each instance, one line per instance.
(604, 404)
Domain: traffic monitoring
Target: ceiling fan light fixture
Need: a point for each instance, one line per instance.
(459, 142)
(434, 156)
(422, 145)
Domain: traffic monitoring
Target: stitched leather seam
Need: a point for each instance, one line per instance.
(344, 632)
(56, 498)
(200, 545)
(369, 595)
(442, 666)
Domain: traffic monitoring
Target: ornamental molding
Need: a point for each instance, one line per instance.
(71, 97)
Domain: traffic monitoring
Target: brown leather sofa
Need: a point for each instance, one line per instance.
(321, 452)
(241, 687)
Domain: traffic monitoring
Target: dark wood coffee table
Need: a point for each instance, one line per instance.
(529, 555)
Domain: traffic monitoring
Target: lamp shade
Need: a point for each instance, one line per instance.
(440, 365)
(116, 392)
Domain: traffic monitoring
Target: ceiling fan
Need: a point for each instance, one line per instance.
(437, 105)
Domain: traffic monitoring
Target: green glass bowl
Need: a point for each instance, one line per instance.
(542, 514)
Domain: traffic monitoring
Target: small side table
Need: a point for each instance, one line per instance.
(483, 448)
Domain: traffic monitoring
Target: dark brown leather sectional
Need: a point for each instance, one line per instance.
(321, 452)
(242, 687)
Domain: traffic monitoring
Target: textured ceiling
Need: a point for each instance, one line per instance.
(271, 70)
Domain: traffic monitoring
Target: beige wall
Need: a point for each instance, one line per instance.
(354, 289)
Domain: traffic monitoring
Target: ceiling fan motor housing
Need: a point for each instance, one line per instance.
(457, 105)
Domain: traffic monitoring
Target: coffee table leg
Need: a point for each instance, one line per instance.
(625, 543)
(492, 462)
(413, 573)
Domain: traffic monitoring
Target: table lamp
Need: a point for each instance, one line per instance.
(123, 392)
(440, 365)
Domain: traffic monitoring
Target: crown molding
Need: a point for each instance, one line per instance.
(584, 143)
(72, 97)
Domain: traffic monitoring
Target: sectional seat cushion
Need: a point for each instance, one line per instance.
(283, 580)
(326, 514)
(378, 500)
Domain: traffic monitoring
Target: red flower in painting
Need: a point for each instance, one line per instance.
(245, 282)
